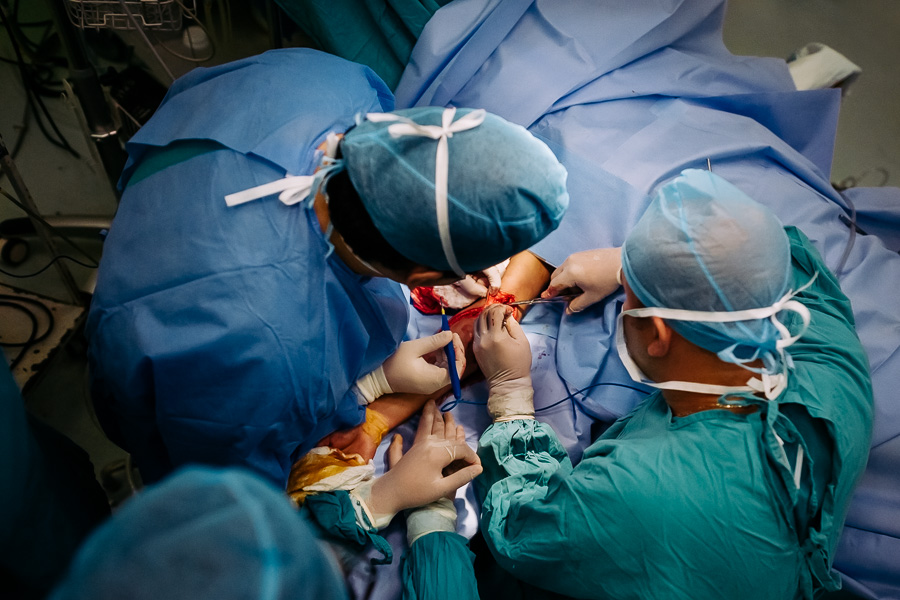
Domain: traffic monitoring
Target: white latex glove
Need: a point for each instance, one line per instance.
(467, 290)
(596, 272)
(504, 355)
(440, 515)
(438, 463)
(411, 370)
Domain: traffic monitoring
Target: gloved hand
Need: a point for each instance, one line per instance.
(596, 272)
(417, 367)
(504, 355)
(418, 477)
(467, 290)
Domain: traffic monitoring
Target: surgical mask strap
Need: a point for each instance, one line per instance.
(785, 303)
(442, 133)
(769, 383)
(687, 386)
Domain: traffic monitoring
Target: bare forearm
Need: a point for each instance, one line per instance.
(398, 408)
(526, 276)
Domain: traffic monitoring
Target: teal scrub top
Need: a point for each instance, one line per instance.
(702, 506)
(438, 565)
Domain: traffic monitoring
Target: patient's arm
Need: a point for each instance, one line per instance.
(525, 278)
(390, 411)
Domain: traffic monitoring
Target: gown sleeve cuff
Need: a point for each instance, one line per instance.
(437, 516)
(336, 516)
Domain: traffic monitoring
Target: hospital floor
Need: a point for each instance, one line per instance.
(867, 153)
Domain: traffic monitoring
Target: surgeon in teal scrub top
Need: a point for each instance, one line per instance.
(733, 479)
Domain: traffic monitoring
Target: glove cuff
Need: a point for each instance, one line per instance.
(516, 404)
(373, 385)
(437, 516)
(365, 518)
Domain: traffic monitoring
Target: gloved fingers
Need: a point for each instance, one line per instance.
(514, 329)
(430, 377)
(437, 423)
(453, 452)
(494, 275)
(395, 451)
(460, 354)
(456, 480)
(460, 433)
(449, 427)
(480, 325)
(470, 286)
(560, 279)
(582, 302)
(494, 317)
(426, 422)
(426, 345)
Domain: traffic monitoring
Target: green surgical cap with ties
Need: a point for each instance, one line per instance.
(455, 189)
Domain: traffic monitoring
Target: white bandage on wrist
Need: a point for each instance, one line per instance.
(373, 385)
(437, 516)
(512, 405)
(365, 518)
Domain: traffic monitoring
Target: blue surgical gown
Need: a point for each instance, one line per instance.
(233, 336)
(701, 506)
(631, 94)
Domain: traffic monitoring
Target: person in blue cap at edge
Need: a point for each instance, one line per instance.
(247, 303)
(50, 499)
(733, 479)
(219, 533)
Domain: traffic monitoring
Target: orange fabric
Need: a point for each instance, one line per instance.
(316, 467)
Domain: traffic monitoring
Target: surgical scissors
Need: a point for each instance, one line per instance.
(563, 298)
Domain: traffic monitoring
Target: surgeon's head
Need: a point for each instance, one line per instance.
(705, 246)
(204, 534)
(453, 190)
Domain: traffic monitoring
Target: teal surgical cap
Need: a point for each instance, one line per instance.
(505, 189)
(704, 245)
(204, 534)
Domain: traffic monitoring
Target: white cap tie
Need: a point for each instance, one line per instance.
(405, 126)
(292, 189)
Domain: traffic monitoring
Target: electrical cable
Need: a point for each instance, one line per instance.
(31, 337)
(147, 41)
(94, 264)
(52, 261)
(846, 183)
(40, 305)
(33, 98)
(16, 302)
(452, 404)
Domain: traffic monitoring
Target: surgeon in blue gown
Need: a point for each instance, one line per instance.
(629, 94)
(248, 298)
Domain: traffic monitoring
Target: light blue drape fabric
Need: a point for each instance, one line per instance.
(629, 95)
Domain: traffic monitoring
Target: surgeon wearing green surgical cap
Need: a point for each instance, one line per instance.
(273, 319)
(733, 479)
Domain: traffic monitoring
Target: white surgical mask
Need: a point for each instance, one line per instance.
(770, 383)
